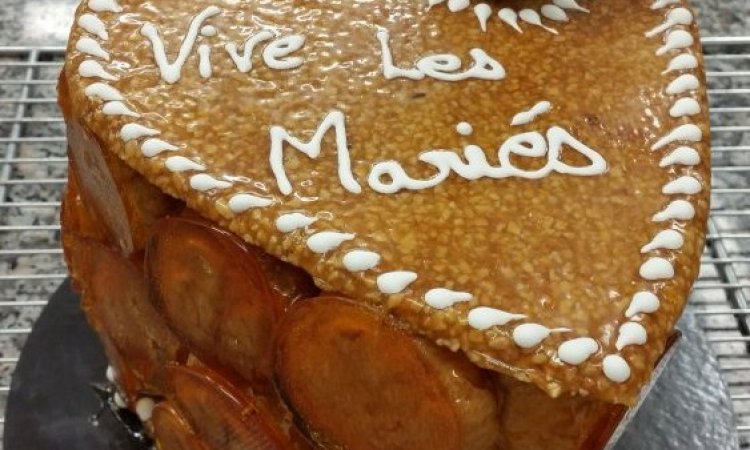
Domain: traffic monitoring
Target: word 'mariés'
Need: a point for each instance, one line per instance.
(277, 53)
(389, 177)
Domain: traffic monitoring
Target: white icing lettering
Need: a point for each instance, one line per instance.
(444, 67)
(204, 60)
(312, 149)
(526, 117)
(276, 54)
(171, 72)
(244, 62)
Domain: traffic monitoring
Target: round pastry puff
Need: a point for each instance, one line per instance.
(525, 181)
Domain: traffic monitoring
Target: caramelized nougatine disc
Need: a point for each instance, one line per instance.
(220, 415)
(532, 190)
(212, 291)
(115, 300)
(361, 384)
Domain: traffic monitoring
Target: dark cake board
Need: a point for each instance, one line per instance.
(51, 403)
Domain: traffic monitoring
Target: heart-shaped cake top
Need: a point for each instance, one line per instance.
(526, 181)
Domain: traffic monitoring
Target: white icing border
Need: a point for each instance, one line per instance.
(574, 351)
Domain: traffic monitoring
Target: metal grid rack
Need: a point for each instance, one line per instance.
(33, 172)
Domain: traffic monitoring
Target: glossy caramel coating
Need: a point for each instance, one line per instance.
(564, 251)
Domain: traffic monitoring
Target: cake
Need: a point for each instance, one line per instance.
(388, 224)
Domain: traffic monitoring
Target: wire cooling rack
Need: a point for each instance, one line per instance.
(33, 172)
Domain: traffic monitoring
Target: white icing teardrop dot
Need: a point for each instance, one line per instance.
(656, 268)
(509, 16)
(133, 131)
(685, 107)
(152, 147)
(532, 17)
(395, 282)
(360, 260)
(464, 129)
(530, 335)
(483, 11)
(576, 351)
(325, 241)
(684, 133)
(208, 31)
(93, 25)
(104, 92)
(684, 61)
(616, 368)
(676, 40)
(685, 185)
(286, 223)
(554, 12)
(570, 4)
(179, 164)
(104, 6)
(119, 401)
(659, 4)
(458, 5)
(683, 156)
(240, 203)
(431, 3)
(642, 303)
(677, 210)
(89, 46)
(683, 83)
(204, 183)
(483, 318)
(676, 16)
(92, 69)
(144, 408)
(631, 333)
(118, 108)
(667, 240)
(441, 298)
